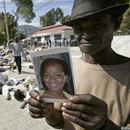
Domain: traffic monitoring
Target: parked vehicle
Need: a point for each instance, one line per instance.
(73, 43)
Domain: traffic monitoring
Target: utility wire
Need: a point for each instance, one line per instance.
(44, 5)
(19, 18)
(28, 9)
(43, 2)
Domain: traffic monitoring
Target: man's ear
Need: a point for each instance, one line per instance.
(117, 23)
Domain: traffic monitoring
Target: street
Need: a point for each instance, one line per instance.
(14, 118)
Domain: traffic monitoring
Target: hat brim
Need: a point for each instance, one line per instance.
(116, 10)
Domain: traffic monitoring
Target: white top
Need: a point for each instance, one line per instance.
(17, 48)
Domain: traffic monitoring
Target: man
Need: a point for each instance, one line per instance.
(17, 49)
(49, 42)
(102, 76)
(35, 44)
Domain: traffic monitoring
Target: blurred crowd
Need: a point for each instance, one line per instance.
(12, 87)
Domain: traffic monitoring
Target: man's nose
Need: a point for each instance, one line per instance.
(87, 35)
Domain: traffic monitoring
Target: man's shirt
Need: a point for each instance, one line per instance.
(17, 48)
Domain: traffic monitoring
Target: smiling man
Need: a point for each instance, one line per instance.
(102, 76)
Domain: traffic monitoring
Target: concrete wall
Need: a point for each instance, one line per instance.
(64, 33)
(121, 45)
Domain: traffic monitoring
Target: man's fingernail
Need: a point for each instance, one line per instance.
(72, 98)
(37, 97)
(64, 104)
(65, 115)
(63, 108)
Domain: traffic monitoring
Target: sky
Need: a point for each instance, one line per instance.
(41, 7)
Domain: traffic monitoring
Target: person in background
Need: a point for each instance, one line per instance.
(102, 76)
(68, 41)
(64, 41)
(17, 49)
(55, 42)
(35, 44)
(49, 42)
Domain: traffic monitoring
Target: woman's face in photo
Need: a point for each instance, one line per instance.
(54, 77)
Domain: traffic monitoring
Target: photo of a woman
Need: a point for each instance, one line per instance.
(54, 75)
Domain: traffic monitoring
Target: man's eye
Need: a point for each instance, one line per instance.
(78, 30)
(100, 24)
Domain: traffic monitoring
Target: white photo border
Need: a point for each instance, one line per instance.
(51, 52)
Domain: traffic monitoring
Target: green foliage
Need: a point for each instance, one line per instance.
(11, 26)
(2, 37)
(21, 36)
(65, 18)
(125, 25)
(58, 14)
(24, 9)
(51, 17)
(126, 21)
(122, 1)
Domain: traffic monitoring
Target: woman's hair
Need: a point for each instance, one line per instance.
(61, 62)
(18, 95)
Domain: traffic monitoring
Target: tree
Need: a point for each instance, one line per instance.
(122, 1)
(21, 36)
(2, 37)
(126, 21)
(125, 25)
(58, 14)
(65, 18)
(24, 10)
(11, 26)
(51, 17)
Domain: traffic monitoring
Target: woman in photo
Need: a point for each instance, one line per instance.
(54, 74)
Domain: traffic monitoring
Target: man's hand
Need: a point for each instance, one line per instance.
(11, 40)
(38, 108)
(86, 111)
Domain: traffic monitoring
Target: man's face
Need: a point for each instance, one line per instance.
(95, 34)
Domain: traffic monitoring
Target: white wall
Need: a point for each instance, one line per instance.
(121, 45)
(68, 33)
(64, 33)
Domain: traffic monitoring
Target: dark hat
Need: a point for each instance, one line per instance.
(86, 8)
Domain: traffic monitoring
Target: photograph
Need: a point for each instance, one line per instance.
(54, 74)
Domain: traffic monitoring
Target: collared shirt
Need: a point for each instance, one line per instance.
(17, 48)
